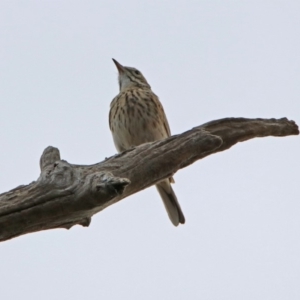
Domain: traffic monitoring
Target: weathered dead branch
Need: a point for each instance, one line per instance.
(65, 194)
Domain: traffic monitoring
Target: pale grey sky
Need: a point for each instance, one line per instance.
(206, 60)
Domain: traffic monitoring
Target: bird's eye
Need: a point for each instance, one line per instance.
(137, 72)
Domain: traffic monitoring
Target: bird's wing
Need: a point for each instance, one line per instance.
(163, 117)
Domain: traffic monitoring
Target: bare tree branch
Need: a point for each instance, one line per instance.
(65, 194)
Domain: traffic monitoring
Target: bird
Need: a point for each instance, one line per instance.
(136, 117)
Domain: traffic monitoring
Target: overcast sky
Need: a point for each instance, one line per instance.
(206, 60)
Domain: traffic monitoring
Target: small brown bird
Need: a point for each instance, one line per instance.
(136, 117)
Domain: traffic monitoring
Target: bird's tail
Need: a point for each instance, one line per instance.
(171, 203)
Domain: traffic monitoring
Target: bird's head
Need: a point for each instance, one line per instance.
(130, 77)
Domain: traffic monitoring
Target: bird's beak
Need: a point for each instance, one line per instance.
(119, 66)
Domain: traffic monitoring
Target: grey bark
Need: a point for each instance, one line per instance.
(66, 194)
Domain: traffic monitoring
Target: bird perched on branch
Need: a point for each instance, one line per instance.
(136, 117)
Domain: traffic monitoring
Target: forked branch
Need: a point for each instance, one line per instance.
(65, 194)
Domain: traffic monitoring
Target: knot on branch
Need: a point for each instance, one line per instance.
(49, 156)
(54, 171)
(60, 174)
(85, 222)
(105, 183)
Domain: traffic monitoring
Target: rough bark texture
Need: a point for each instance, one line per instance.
(65, 194)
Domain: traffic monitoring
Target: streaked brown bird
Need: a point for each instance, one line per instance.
(136, 117)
